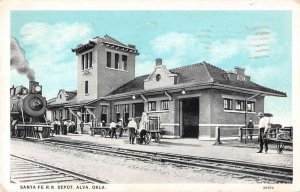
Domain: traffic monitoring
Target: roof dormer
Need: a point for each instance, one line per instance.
(160, 77)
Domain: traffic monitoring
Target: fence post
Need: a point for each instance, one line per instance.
(217, 136)
(241, 134)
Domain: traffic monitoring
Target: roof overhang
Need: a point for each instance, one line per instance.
(246, 90)
(191, 87)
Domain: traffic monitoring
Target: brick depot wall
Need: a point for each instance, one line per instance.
(220, 116)
(89, 75)
(102, 80)
(210, 106)
(110, 79)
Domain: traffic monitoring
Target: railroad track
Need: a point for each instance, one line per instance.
(249, 169)
(24, 170)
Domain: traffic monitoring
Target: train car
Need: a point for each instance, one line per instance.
(28, 112)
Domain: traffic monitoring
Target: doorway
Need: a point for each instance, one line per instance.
(190, 117)
(138, 109)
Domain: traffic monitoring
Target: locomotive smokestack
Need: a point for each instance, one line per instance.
(18, 61)
(31, 86)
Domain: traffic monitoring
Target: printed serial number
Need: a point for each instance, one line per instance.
(268, 187)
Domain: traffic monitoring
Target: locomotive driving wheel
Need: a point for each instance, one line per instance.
(147, 138)
(103, 133)
(157, 137)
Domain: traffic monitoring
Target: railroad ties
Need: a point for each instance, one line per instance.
(244, 169)
(23, 170)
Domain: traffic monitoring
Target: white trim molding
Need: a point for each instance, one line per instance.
(188, 95)
(224, 96)
(236, 111)
(161, 111)
(170, 137)
(222, 125)
(169, 124)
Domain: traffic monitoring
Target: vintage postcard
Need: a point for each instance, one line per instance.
(143, 96)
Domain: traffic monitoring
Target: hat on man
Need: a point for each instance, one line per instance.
(260, 114)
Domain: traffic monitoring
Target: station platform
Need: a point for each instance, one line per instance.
(229, 149)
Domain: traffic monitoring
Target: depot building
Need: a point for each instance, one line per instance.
(189, 101)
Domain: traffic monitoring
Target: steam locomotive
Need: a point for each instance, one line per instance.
(28, 112)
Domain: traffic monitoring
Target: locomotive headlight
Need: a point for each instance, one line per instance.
(18, 95)
(38, 88)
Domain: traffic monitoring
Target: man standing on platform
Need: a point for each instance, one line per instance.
(263, 130)
(132, 130)
(113, 128)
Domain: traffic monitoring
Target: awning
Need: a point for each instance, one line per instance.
(73, 113)
(90, 111)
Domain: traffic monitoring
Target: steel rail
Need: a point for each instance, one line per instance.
(63, 172)
(253, 169)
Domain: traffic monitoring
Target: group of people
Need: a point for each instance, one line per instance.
(134, 130)
(114, 126)
(63, 127)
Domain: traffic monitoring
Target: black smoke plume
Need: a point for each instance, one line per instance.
(18, 61)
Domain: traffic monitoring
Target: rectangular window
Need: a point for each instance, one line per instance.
(152, 106)
(117, 108)
(86, 87)
(116, 61)
(165, 105)
(251, 106)
(60, 112)
(67, 113)
(126, 108)
(82, 62)
(108, 58)
(86, 60)
(88, 117)
(118, 114)
(104, 110)
(240, 105)
(91, 59)
(124, 59)
(227, 104)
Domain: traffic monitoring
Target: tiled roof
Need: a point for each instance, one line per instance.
(196, 74)
(71, 94)
(134, 85)
(109, 39)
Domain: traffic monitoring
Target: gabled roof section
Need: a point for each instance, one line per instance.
(117, 45)
(108, 42)
(200, 73)
(109, 39)
(69, 96)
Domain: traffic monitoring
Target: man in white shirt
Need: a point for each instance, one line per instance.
(132, 130)
(263, 129)
(113, 127)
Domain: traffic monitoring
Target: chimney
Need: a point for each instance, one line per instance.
(240, 73)
(158, 61)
